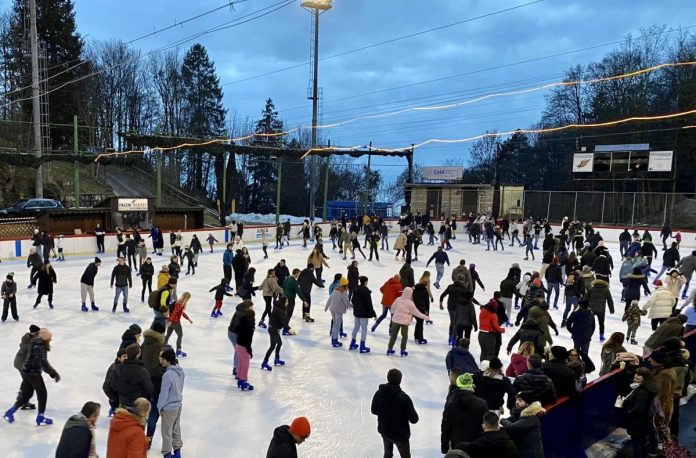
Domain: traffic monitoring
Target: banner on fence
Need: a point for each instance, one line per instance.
(132, 205)
(442, 173)
(583, 162)
(660, 161)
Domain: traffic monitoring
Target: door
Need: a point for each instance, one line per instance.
(433, 202)
(469, 201)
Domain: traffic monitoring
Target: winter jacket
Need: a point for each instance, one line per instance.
(637, 409)
(493, 390)
(508, 287)
(89, 274)
(46, 280)
(291, 288)
(239, 264)
(317, 260)
(687, 266)
(672, 327)
(126, 437)
(517, 366)
(525, 431)
(220, 291)
(671, 257)
(674, 285)
(34, 260)
(599, 296)
(403, 309)
(8, 289)
(554, 274)
(127, 338)
(461, 419)
(540, 314)
(406, 276)
(530, 331)
(608, 356)
(660, 303)
(353, 276)
(76, 438)
(269, 286)
(362, 303)
(421, 297)
(162, 279)
(151, 349)
(174, 269)
(391, 290)
(454, 294)
(245, 331)
(281, 273)
(490, 444)
(488, 320)
(463, 359)
(634, 283)
(177, 313)
(307, 279)
(131, 381)
(171, 393)
(465, 314)
(601, 266)
(338, 302)
(400, 242)
(539, 384)
(227, 258)
(23, 352)
(278, 318)
(581, 324)
(121, 276)
(394, 410)
(147, 271)
(247, 288)
(562, 376)
(106, 386)
(632, 316)
(461, 270)
(37, 359)
(440, 257)
(283, 444)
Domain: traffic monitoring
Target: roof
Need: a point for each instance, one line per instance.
(450, 185)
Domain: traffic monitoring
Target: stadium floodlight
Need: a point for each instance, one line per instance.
(322, 5)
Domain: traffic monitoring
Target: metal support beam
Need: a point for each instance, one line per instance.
(35, 97)
(548, 207)
(159, 178)
(76, 150)
(315, 113)
(633, 211)
(327, 164)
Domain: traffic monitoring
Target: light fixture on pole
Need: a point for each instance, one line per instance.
(316, 7)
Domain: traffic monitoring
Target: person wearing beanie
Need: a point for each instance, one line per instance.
(339, 304)
(21, 356)
(221, 290)
(463, 414)
(632, 318)
(457, 293)
(286, 438)
(170, 402)
(556, 368)
(32, 382)
(153, 343)
(394, 410)
(9, 297)
(131, 335)
(492, 385)
(87, 284)
(147, 271)
(109, 391)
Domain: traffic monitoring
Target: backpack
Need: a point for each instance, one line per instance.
(153, 299)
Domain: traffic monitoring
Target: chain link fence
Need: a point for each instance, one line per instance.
(614, 208)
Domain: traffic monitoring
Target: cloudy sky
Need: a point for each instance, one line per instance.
(484, 53)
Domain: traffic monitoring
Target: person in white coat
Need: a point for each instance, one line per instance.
(660, 305)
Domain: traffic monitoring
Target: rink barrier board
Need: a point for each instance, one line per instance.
(571, 425)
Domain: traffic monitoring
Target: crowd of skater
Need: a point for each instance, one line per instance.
(490, 409)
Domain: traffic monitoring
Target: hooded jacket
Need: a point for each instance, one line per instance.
(126, 437)
(463, 359)
(362, 302)
(490, 444)
(517, 366)
(637, 409)
(131, 381)
(465, 314)
(24, 346)
(89, 274)
(171, 394)
(390, 290)
(462, 270)
(671, 257)
(461, 419)
(525, 431)
(599, 297)
(270, 287)
(540, 314)
(307, 279)
(283, 444)
(245, 331)
(46, 280)
(151, 349)
(281, 273)
(76, 438)
(421, 297)
(539, 384)
(338, 302)
(488, 318)
(672, 327)
(394, 410)
(529, 332)
(37, 359)
(403, 309)
(493, 390)
(454, 294)
(278, 318)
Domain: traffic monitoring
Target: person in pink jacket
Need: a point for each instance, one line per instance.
(403, 310)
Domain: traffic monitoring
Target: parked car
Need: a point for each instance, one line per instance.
(25, 206)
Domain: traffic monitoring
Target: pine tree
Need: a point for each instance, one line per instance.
(263, 169)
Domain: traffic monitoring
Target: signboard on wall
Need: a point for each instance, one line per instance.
(660, 161)
(583, 162)
(443, 173)
(132, 205)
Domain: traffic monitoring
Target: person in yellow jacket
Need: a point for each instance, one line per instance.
(163, 276)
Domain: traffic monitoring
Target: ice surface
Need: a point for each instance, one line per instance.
(332, 387)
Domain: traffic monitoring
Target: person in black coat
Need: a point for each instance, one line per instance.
(528, 332)
(421, 297)
(277, 320)
(108, 390)
(492, 386)
(394, 410)
(76, 438)
(524, 426)
(536, 382)
(363, 310)
(130, 336)
(131, 380)
(463, 415)
(87, 284)
(46, 279)
(286, 438)
(461, 357)
(147, 271)
(281, 272)
(247, 288)
(581, 325)
(239, 266)
(637, 406)
(556, 368)
(493, 442)
(305, 282)
(353, 276)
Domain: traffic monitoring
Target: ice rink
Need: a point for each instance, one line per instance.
(332, 387)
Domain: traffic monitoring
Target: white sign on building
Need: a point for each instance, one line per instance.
(132, 205)
(660, 161)
(583, 162)
(443, 173)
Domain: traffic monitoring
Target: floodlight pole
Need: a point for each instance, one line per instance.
(315, 112)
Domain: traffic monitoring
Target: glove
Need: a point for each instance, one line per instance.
(57, 378)
(556, 331)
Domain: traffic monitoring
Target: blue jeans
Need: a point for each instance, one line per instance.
(233, 338)
(662, 270)
(152, 418)
(360, 325)
(686, 287)
(553, 287)
(571, 302)
(337, 323)
(489, 242)
(515, 237)
(121, 290)
(623, 247)
(381, 317)
(440, 269)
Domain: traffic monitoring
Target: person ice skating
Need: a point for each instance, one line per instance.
(599, 298)
(59, 247)
(211, 241)
(121, 276)
(286, 439)
(363, 310)
(34, 365)
(174, 319)
(240, 311)
(147, 271)
(244, 330)
(632, 318)
(247, 289)
(291, 291)
(403, 310)
(196, 248)
(131, 380)
(87, 284)
(9, 297)
(270, 289)
(440, 257)
(390, 290)
(305, 281)
(174, 267)
(221, 291)
(462, 415)
(131, 247)
(77, 439)
(338, 303)
(46, 280)
(460, 357)
(169, 404)
(21, 356)
(581, 325)
(422, 297)
(188, 256)
(394, 410)
(400, 246)
(109, 391)
(131, 336)
(660, 305)
(238, 265)
(489, 328)
(36, 263)
(277, 320)
(373, 240)
(126, 431)
(100, 234)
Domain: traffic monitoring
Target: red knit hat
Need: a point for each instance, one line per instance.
(300, 427)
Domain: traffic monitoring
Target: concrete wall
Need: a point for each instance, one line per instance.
(87, 244)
